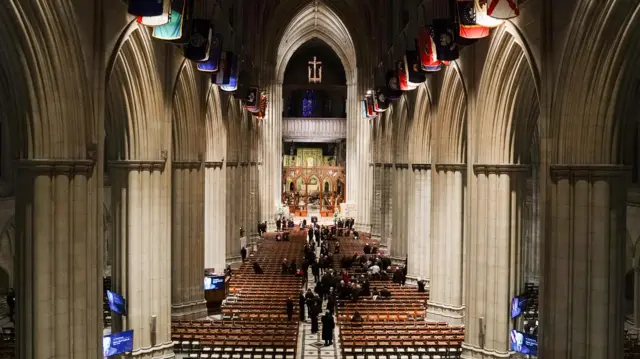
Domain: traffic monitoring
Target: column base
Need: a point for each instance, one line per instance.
(472, 352)
(366, 228)
(189, 311)
(398, 261)
(413, 280)
(236, 259)
(376, 237)
(160, 351)
(438, 312)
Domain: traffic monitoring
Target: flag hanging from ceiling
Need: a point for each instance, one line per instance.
(407, 69)
(370, 111)
(145, 7)
(187, 24)
(157, 20)
(403, 82)
(427, 48)
(173, 29)
(482, 18)
(262, 112)
(393, 86)
(364, 109)
(416, 74)
(252, 100)
(221, 77)
(381, 101)
(469, 29)
(215, 49)
(232, 75)
(197, 50)
(444, 34)
(503, 9)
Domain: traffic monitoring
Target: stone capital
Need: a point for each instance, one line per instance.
(244, 164)
(253, 163)
(138, 165)
(186, 164)
(402, 166)
(56, 166)
(453, 167)
(377, 164)
(595, 171)
(421, 166)
(213, 164)
(387, 165)
(232, 163)
(500, 168)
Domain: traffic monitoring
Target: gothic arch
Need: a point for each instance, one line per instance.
(420, 130)
(188, 123)
(401, 130)
(35, 75)
(451, 141)
(135, 99)
(508, 103)
(216, 139)
(596, 93)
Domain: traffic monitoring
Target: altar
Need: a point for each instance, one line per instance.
(318, 190)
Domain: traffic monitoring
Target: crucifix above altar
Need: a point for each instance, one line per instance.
(315, 71)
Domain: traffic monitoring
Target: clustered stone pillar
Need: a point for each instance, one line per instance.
(493, 259)
(271, 170)
(386, 222)
(376, 211)
(58, 259)
(581, 304)
(401, 189)
(140, 207)
(187, 232)
(234, 211)
(215, 215)
(254, 204)
(445, 293)
(419, 236)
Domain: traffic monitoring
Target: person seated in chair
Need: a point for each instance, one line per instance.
(421, 284)
(367, 248)
(385, 293)
(257, 269)
(278, 238)
(357, 317)
(284, 267)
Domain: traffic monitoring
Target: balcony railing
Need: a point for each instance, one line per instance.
(314, 129)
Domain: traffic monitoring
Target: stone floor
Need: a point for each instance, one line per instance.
(311, 346)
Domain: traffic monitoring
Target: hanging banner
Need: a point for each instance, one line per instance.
(197, 50)
(145, 7)
(173, 29)
(158, 20)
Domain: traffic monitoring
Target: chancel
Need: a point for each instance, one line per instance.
(285, 179)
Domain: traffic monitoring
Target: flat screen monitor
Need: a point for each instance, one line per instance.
(517, 306)
(523, 343)
(116, 303)
(117, 343)
(213, 282)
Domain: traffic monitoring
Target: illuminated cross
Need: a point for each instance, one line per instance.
(316, 77)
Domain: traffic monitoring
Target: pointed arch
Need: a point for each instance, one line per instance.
(451, 139)
(596, 94)
(134, 99)
(216, 128)
(45, 93)
(420, 133)
(188, 123)
(508, 105)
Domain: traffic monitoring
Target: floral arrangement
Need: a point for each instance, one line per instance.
(282, 211)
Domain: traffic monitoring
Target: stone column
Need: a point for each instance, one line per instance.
(387, 204)
(271, 169)
(419, 237)
(141, 210)
(254, 202)
(58, 278)
(446, 287)
(493, 274)
(636, 293)
(581, 304)
(376, 211)
(401, 188)
(187, 244)
(215, 216)
(234, 212)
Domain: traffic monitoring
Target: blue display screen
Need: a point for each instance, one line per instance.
(117, 343)
(213, 282)
(517, 306)
(116, 303)
(523, 343)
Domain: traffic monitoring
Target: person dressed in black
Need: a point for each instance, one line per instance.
(243, 253)
(289, 309)
(367, 248)
(301, 301)
(357, 317)
(328, 324)
(285, 267)
(315, 270)
(403, 279)
(257, 269)
(278, 224)
(331, 301)
(315, 311)
(421, 284)
(385, 293)
(310, 233)
(11, 302)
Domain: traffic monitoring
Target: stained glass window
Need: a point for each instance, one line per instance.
(308, 103)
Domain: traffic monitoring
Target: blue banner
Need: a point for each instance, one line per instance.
(116, 303)
(213, 282)
(523, 343)
(117, 343)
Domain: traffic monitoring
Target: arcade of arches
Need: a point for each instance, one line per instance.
(517, 163)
